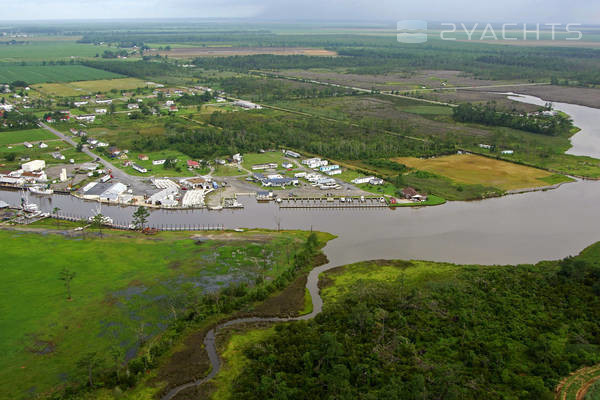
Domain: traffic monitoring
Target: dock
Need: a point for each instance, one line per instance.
(339, 202)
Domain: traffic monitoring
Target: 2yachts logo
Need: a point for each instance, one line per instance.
(416, 31)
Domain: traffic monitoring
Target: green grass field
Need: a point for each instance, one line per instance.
(160, 170)
(29, 135)
(123, 280)
(251, 159)
(86, 87)
(53, 73)
(48, 50)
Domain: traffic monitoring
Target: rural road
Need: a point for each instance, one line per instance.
(135, 183)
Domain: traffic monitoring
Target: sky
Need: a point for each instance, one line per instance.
(542, 11)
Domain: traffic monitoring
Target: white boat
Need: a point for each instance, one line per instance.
(216, 208)
(105, 220)
(31, 207)
(41, 191)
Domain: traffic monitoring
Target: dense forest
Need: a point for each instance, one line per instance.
(487, 114)
(250, 132)
(483, 333)
(374, 54)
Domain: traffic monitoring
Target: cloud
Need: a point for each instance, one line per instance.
(390, 10)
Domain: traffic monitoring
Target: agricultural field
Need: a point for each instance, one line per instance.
(54, 73)
(477, 170)
(127, 288)
(192, 52)
(48, 50)
(89, 87)
(29, 135)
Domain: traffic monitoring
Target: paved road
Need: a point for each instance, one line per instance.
(136, 183)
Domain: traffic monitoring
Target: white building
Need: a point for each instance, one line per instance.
(86, 118)
(359, 181)
(247, 104)
(35, 165)
(101, 111)
(334, 172)
(139, 168)
(133, 106)
(80, 103)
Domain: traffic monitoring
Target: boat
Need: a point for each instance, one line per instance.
(30, 207)
(27, 206)
(216, 208)
(40, 190)
(104, 220)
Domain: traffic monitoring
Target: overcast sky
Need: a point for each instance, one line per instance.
(582, 11)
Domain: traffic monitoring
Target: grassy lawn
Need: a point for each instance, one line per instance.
(36, 153)
(251, 159)
(477, 170)
(123, 280)
(89, 87)
(180, 170)
(29, 135)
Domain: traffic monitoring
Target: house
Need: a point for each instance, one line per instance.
(287, 165)
(260, 167)
(334, 172)
(27, 145)
(508, 152)
(173, 109)
(101, 111)
(107, 101)
(102, 144)
(247, 105)
(80, 103)
(197, 183)
(237, 158)
(376, 182)
(34, 177)
(169, 103)
(360, 181)
(193, 164)
(485, 146)
(143, 157)
(56, 155)
(326, 168)
(35, 165)
(292, 154)
(114, 152)
(43, 145)
(139, 168)
(133, 106)
(159, 162)
(411, 194)
(86, 118)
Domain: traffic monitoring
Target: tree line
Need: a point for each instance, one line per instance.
(488, 114)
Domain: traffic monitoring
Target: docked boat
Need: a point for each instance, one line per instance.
(41, 191)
